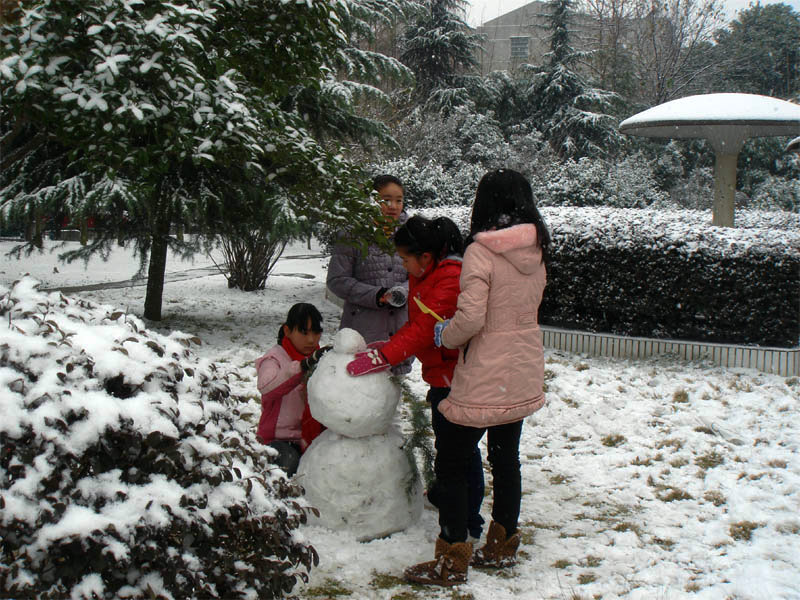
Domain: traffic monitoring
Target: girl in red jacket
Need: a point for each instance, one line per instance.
(431, 253)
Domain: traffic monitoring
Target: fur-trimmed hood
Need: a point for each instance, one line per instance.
(518, 244)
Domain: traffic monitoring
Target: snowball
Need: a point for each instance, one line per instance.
(351, 406)
(364, 485)
(348, 341)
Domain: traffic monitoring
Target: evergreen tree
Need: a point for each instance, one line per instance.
(145, 114)
(760, 51)
(571, 114)
(439, 46)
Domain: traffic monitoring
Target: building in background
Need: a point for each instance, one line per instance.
(522, 36)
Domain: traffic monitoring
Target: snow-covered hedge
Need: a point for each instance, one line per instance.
(670, 274)
(126, 470)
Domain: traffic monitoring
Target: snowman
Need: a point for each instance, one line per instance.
(356, 472)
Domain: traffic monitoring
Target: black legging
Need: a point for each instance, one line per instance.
(475, 484)
(455, 446)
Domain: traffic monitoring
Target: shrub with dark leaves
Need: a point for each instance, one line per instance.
(125, 469)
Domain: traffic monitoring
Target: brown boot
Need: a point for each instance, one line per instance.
(499, 551)
(449, 567)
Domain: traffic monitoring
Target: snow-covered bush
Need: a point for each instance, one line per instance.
(429, 184)
(126, 471)
(595, 182)
(777, 194)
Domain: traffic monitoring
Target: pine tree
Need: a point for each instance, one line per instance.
(439, 46)
(760, 51)
(145, 114)
(570, 113)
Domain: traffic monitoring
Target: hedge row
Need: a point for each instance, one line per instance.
(671, 275)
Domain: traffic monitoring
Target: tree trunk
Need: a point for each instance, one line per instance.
(37, 237)
(84, 224)
(158, 261)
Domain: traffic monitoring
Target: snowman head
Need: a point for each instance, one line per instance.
(351, 406)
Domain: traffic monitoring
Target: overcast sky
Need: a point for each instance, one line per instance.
(484, 10)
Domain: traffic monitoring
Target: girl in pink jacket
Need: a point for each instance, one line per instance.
(284, 399)
(498, 377)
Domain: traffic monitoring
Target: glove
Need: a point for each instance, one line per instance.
(312, 359)
(371, 361)
(398, 295)
(437, 332)
(377, 344)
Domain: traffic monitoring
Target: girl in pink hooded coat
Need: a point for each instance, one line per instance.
(498, 377)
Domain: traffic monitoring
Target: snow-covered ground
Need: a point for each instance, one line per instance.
(641, 480)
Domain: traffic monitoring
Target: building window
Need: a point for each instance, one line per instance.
(519, 47)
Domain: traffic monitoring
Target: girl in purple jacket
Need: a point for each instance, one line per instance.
(283, 390)
(498, 377)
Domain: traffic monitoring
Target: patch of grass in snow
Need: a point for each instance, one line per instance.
(581, 367)
(704, 429)
(673, 495)
(538, 525)
(385, 581)
(646, 462)
(665, 543)
(789, 528)
(534, 456)
(570, 402)
(741, 383)
(793, 382)
(592, 561)
(585, 578)
(777, 464)
(674, 443)
(716, 498)
(330, 588)
(562, 563)
(680, 396)
(743, 530)
(576, 438)
(679, 462)
(628, 526)
(613, 440)
(559, 479)
(709, 460)
(526, 536)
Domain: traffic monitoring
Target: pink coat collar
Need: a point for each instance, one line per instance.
(511, 238)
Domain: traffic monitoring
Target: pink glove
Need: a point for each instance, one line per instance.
(371, 361)
(377, 345)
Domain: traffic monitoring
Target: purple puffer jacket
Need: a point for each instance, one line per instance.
(357, 280)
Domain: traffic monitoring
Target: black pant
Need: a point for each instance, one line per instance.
(475, 484)
(454, 450)
(288, 457)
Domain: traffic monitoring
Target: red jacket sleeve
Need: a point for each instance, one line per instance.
(440, 294)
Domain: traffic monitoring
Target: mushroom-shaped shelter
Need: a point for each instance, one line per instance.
(793, 145)
(726, 121)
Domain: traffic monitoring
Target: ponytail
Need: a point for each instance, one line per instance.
(449, 234)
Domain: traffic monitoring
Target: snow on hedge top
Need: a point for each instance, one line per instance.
(685, 230)
(752, 114)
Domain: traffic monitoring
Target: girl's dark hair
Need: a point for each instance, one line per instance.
(440, 237)
(382, 181)
(505, 198)
(298, 318)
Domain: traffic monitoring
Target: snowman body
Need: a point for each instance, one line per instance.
(356, 473)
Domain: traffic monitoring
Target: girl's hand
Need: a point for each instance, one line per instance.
(437, 332)
(371, 361)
